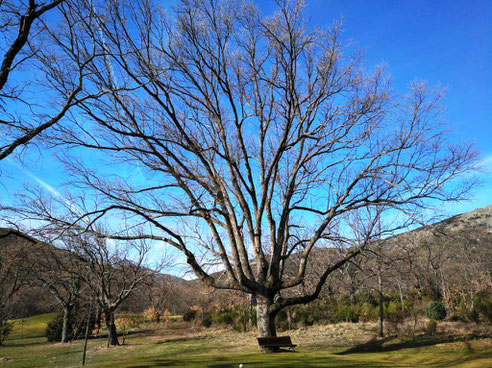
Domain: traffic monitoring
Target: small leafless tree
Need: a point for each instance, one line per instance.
(160, 292)
(61, 274)
(256, 137)
(109, 272)
(14, 272)
(111, 275)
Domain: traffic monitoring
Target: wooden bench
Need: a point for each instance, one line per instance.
(275, 343)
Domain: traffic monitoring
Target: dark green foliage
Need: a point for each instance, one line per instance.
(5, 329)
(473, 315)
(366, 297)
(436, 311)
(345, 313)
(240, 324)
(393, 312)
(483, 305)
(456, 318)
(53, 331)
(207, 320)
(189, 315)
(431, 327)
(226, 317)
(76, 325)
(368, 312)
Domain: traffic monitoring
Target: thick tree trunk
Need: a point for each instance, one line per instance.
(264, 317)
(67, 312)
(111, 327)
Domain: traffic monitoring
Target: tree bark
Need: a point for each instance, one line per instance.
(111, 327)
(67, 313)
(98, 318)
(381, 305)
(265, 317)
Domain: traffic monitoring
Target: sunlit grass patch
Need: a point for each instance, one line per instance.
(179, 344)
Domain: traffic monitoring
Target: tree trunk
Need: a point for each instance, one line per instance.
(98, 318)
(111, 327)
(252, 303)
(265, 318)
(381, 304)
(67, 312)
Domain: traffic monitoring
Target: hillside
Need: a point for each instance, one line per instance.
(462, 242)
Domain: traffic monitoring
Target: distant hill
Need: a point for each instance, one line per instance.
(479, 219)
(462, 238)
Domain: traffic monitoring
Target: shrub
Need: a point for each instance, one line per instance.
(436, 311)
(5, 329)
(189, 315)
(225, 317)
(473, 315)
(456, 318)
(431, 327)
(207, 320)
(150, 314)
(345, 313)
(393, 312)
(76, 325)
(53, 330)
(241, 322)
(484, 306)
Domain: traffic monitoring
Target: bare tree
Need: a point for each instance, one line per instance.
(22, 17)
(111, 274)
(109, 271)
(31, 98)
(14, 273)
(161, 292)
(61, 273)
(256, 137)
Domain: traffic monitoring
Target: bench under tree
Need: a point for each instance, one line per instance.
(275, 343)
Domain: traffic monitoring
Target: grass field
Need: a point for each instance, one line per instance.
(179, 345)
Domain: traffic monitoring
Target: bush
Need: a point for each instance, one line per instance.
(345, 313)
(5, 329)
(431, 327)
(473, 315)
(225, 317)
(368, 312)
(436, 311)
(456, 318)
(393, 312)
(76, 325)
(53, 330)
(189, 315)
(207, 320)
(484, 306)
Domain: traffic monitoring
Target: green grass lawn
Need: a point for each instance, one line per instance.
(179, 345)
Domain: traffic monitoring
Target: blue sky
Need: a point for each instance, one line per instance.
(441, 42)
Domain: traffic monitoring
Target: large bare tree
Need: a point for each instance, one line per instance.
(32, 100)
(246, 141)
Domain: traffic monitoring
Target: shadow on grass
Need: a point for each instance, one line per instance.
(256, 363)
(388, 344)
(182, 339)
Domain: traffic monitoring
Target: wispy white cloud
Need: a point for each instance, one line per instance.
(486, 162)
